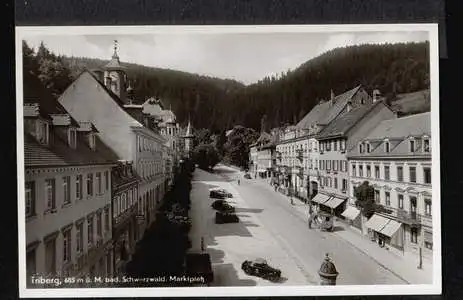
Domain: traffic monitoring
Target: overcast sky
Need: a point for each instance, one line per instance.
(243, 57)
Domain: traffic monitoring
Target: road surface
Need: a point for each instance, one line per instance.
(306, 247)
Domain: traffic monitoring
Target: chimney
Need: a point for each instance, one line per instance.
(376, 95)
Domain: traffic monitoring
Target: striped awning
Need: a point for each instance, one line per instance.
(351, 213)
(383, 225)
(320, 198)
(334, 202)
(376, 222)
(391, 228)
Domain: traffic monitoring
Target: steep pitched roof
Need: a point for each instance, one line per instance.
(58, 153)
(413, 125)
(314, 115)
(35, 92)
(397, 131)
(342, 124)
(339, 102)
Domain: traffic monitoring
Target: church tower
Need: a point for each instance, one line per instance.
(115, 77)
(188, 139)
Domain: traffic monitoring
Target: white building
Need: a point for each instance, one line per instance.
(395, 158)
(123, 127)
(298, 152)
(67, 190)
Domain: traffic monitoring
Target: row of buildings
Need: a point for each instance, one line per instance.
(97, 166)
(345, 141)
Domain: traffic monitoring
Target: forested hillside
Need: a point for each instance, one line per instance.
(219, 104)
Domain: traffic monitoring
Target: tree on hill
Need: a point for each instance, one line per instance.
(219, 104)
(49, 68)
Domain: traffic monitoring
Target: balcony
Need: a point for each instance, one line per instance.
(409, 218)
(278, 155)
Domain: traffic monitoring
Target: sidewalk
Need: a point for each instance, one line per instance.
(404, 266)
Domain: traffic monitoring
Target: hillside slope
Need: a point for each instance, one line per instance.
(218, 104)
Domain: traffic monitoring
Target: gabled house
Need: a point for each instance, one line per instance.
(107, 103)
(335, 140)
(67, 190)
(395, 158)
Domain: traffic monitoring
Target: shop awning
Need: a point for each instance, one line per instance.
(262, 171)
(377, 222)
(391, 228)
(320, 198)
(334, 202)
(351, 213)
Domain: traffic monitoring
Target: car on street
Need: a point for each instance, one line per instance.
(220, 194)
(247, 176)
(226, 217)
(259, 267)
(222, 205)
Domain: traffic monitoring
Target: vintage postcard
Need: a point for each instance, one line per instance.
(228, 160)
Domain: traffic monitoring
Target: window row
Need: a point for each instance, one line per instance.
(384, 173)
(311, 145)
(384, 198)
(73, 238)
(148, 169)
(124, 202)
(144, 144)
(95, 183)
(413, 146)
(333, 165)
(332, 182)
(335, 145)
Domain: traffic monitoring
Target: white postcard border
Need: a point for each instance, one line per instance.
(411, 289)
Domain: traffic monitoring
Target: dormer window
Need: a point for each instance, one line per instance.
(43, 132)
(368, 147)
(91, 141)
(72, 137)
(387, 147)
(361, 147)
(426, 145)
(412, 145)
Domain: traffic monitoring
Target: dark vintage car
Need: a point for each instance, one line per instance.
(222, 205)
(226, 217)
(219, 194)
(259, 267)
(247, 176)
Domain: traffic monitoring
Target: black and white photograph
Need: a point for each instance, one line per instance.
(188, 160)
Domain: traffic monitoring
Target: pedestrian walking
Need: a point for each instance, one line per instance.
(238, 182)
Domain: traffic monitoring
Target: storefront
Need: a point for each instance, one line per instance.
(386, 232)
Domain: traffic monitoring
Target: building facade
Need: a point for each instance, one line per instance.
(122, 126)
(395, 159)
(298, 150)
(263, 156)
(67, 190)
(335, 140)
(124, 214)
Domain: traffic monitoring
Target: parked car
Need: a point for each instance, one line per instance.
(225, 192)
(226, 217)
(259, 267)
(247, 176)
(222, 205)
(217, 194)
